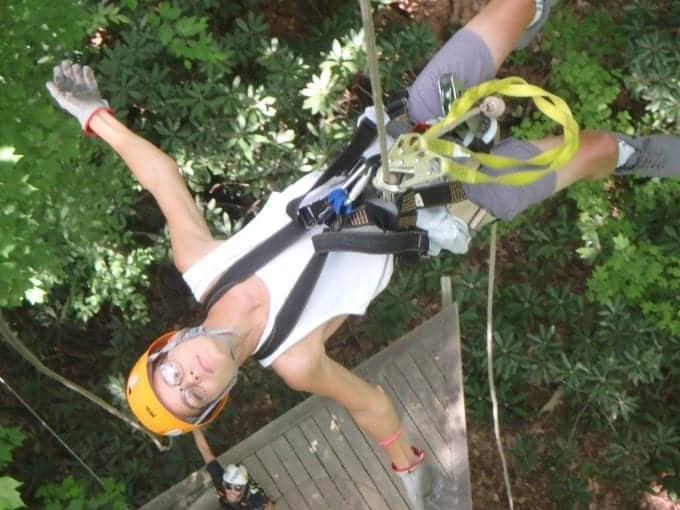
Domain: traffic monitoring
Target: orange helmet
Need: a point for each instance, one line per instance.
(146, 406)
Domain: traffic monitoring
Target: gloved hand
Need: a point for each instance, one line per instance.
(74, 87)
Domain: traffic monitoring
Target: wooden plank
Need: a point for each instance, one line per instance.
(259, 473)
(280, 475)
(427, 335)
(375, 464)
(306, 454)
(331, 463)
(432, 372)
(456, 412)
(208, 500)
(298, 473)
(412, 407)
(425, 392)
(353, 466)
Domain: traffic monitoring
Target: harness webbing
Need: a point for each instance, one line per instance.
(293, 306)
(367, 242)
(252, 261)
(429, 156)
(404, 242)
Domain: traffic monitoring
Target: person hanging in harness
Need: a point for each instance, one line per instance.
(235, 488)
(182, 381)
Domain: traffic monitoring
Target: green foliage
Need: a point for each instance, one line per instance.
(72, 494)
(185, 37)
(630, 236)
(10, 438)
(654, 61)
(581, 51)
(9, 495)
(55, 216)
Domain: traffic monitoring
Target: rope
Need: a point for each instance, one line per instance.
(489, 353)
(56, 436)
(376, 87)
(11, 338)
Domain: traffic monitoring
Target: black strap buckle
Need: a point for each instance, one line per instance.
(316, 213)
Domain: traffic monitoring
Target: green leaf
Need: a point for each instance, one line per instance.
(10, 438)
(169, 12)
(621, 242)
(10, 498)
(165, 34)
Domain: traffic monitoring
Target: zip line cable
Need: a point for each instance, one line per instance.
(13, 340)
(51, 431)
(376, 87)
(489, 354)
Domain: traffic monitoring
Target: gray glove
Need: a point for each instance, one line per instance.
(75, 90)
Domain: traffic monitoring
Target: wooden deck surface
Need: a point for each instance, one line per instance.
(314, 456)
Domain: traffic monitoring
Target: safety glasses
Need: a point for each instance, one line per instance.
(173, 375)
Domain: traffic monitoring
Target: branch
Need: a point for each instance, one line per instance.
(13, 340)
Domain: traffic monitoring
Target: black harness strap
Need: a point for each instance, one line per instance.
(362, 138)
(398, 243)
(445, 193)
(252, 261)
(293, 306)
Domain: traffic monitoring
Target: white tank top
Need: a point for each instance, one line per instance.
(347, 284)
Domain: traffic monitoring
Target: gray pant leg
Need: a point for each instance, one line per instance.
(466, 56)
(504, 201)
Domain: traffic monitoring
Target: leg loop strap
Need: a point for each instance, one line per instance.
(420, 457)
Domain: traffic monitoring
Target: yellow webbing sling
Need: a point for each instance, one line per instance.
(428, 154)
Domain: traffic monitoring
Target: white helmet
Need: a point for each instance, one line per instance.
(235, 474)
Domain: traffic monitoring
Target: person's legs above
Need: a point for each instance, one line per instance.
(541, 14)
(648, 156)
(502, 23)
(600, 154)
(474, 53)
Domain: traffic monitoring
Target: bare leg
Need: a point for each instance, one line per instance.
(306, 367)
(473, 55)
(595, 159)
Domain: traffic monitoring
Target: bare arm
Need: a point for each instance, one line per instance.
(203, 446)
(75, 89)
(159, 174)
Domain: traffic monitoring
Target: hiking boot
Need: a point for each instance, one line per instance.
(653, 156)
(542, 12)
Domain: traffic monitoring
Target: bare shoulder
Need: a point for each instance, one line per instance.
(189, 246)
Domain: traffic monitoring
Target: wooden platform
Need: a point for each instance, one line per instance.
(314, 457)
